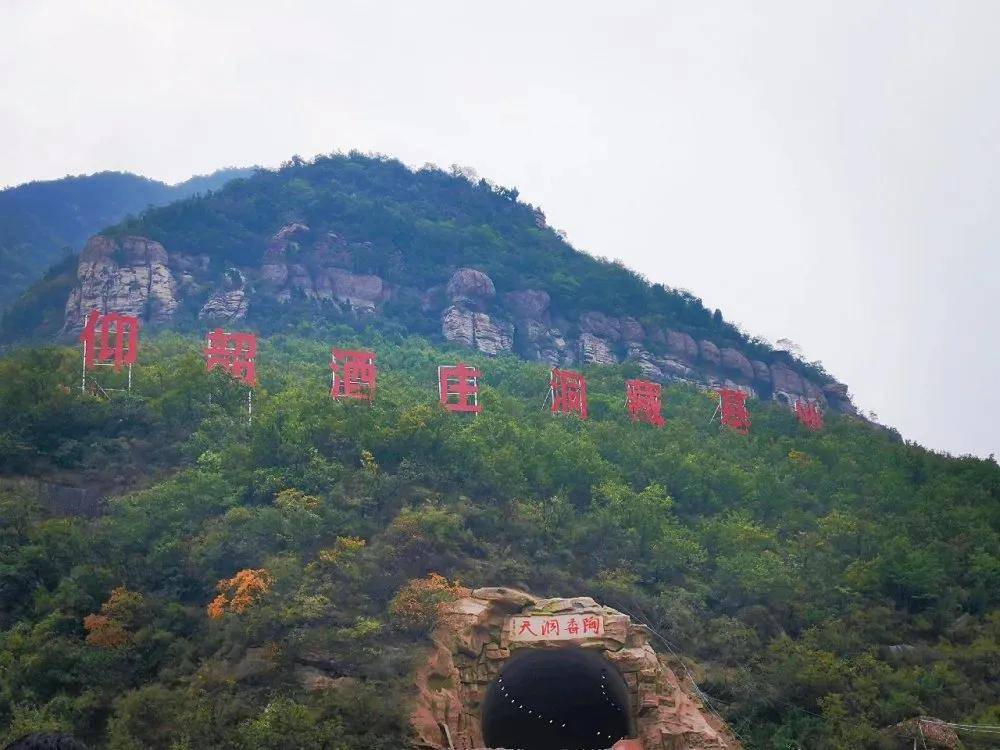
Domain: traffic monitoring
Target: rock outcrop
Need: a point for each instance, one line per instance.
(477, 330)
(682, 346)
(137, 276)
(601, 325)
(129, 275)
(736, 360)
(528, 304)
(474, 640)
(709, 352)
(470, 287)
(229, 303)
(596, 351)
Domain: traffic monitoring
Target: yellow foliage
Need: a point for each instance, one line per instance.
(343, 549)
(238, 593)
(368, 462)
(420, 603)
(103, 632)
(119, 612)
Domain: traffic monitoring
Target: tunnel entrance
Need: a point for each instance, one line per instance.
(556, 699)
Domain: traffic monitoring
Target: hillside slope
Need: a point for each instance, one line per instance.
(40, 221)
(826, 585)
(366, 241)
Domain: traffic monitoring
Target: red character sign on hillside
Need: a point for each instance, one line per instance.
(117, 343)
(458, 388)
(732, 406)
(642, 398)
(354, 374)
(809, 414)
(234, 353)
(568, 391)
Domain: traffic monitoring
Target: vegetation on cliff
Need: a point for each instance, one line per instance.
(827, 584)
(41, 221)
(411, 228)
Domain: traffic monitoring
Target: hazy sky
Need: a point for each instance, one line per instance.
(823, 171)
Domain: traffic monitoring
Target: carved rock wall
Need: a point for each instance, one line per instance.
(471, 644)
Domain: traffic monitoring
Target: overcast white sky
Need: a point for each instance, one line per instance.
(823, 171)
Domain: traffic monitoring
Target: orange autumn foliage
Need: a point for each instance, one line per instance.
(238, 593)
(418, 606)
(103, 632)
(120, 612)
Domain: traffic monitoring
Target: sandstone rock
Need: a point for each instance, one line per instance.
(471, 287)
(786, 380)
(468, 654)
(682, 346)
(650, 369)
(761, 371)
(813, 392)
(676, 369)
(274, 268)
(709, 352)
(476, 330)
(228, 302)
(128, 275)
(736, 360)
(595, 350)
(527, 304)
(561, 605)
(632, 330)
(361, 292)
(634, 659)
(506, 598)
(598, 324)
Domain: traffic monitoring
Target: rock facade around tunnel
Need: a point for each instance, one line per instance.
(473, 641)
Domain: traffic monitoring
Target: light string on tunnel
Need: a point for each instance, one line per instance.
(519, 706)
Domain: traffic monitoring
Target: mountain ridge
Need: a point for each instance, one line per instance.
(365, 240)
(43, 218)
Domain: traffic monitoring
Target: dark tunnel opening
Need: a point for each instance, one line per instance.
(558, 699)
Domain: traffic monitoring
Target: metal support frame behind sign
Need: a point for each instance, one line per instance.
(97, 386)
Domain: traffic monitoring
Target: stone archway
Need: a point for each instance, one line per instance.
(561, 661)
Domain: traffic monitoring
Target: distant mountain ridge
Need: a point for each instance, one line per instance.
(41, 220)
(365, 241)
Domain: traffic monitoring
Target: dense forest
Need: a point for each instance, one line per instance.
(823, 585)
(42, 221)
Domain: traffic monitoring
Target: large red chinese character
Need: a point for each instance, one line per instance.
(354, 374)
(734, 412)
(121, 350)
(550, 627)
(568, 391)
(458, 388)
(572, 627)
(591, 625)
(643, 401)
(526, 627)
(234, 353)
(809, 414)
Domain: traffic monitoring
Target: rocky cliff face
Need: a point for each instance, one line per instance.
(130, 276)
(138, 276)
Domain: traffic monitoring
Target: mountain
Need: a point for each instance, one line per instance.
(40, 221)
(368, 242)
(338, 574)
